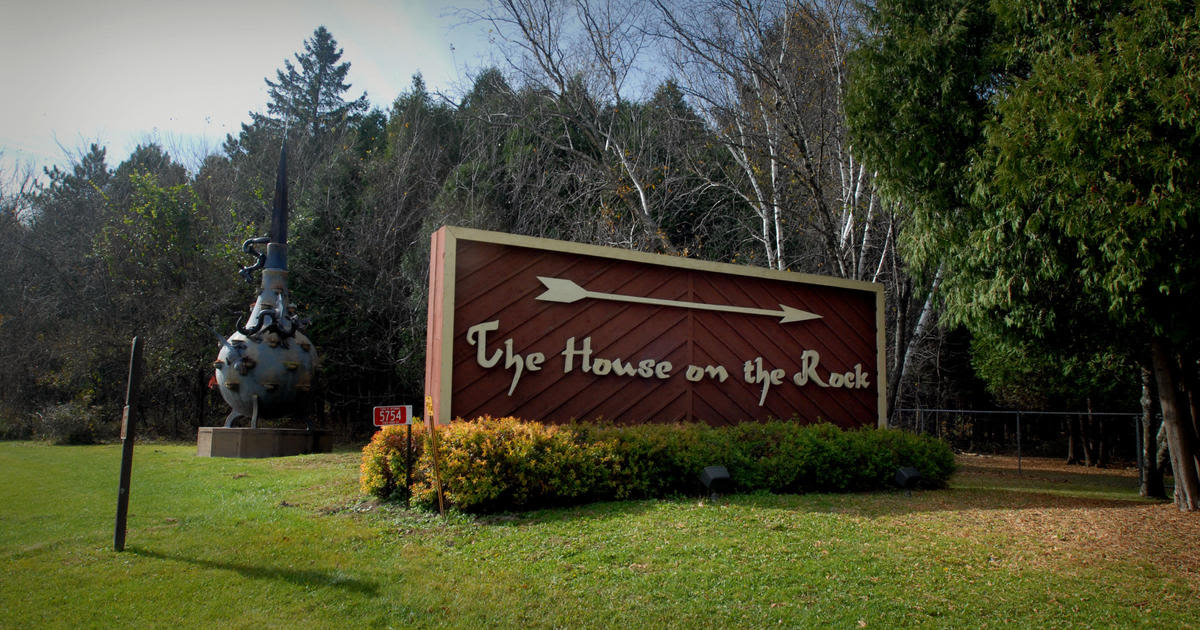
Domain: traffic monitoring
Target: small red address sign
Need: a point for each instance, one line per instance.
(395, 414)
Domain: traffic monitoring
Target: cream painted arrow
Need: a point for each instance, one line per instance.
(566, 292)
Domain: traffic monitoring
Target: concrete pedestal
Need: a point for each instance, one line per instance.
(249, 443)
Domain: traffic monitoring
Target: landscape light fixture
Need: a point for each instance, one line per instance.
(717, 480)
(908, 477)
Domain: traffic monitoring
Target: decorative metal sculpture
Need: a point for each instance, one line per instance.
(265, 369)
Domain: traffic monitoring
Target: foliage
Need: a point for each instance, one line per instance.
(385, 458)
(993, 125)
(108, 255)
(15, 424)
(1098, 146)
(310, 98)
(1046, 157)
(67, 423)
(497, 464)
(560, 148)
(786, 457)
(1028, 375)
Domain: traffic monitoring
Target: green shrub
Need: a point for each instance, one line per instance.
(504, 463)
(384, 458)
(493, 464)
(15, 424)
(66, 423)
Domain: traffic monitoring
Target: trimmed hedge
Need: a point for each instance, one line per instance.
(497, 464)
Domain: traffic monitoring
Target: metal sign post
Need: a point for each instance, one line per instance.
(408, 465)
(1018, 442)
(128, 429)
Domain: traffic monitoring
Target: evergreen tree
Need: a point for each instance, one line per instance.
(311, 97)
(1046, 158)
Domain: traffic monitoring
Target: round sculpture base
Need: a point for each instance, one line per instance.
(253, 443)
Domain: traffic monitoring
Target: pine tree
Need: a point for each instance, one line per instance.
(310, 97)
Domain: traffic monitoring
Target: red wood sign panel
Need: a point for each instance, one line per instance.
(553, 331)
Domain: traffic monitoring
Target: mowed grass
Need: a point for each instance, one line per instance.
(289, 542)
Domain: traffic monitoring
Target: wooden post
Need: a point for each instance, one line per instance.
(408, 465)
(433, 443)
(128, 427)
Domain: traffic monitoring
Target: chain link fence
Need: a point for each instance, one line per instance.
(1094, 438)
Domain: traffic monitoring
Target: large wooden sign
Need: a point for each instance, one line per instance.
(553, 331)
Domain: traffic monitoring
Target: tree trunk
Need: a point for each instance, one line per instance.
(201, 393)
(896, 376)
(1164, 454)
(1191, 383)
(1152, 474)
(906, 341)
(1072, 441)
(1181, 438)
(1087, 441)
(1099, 437)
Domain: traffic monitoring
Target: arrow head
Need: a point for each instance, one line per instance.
(796, 315)
(559, 290)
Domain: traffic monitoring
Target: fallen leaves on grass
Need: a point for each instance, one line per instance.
(1048, 529)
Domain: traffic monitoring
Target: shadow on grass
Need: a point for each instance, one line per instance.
(973, 489)
(291, 576)
(985, 483)
(990, 489)
(869, 504)
(599, 511)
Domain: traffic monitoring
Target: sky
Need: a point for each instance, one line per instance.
(185, 74)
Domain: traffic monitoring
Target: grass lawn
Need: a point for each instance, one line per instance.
(289, 542)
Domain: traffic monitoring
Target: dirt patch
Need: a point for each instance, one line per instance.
(1039, 467)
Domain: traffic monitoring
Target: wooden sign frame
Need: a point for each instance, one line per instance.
(555, 331)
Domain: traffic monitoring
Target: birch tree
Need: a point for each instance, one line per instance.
(584, 56)
(770, 80)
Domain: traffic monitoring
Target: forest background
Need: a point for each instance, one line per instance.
(863, 141)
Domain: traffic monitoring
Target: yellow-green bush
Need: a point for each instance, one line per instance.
(504, 463)
(494, 464)
(383, 461)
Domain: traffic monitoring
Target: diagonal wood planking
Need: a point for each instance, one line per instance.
(497, 281)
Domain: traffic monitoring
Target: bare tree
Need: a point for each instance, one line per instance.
(17, 186)
(769, 79)
(583, 56)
